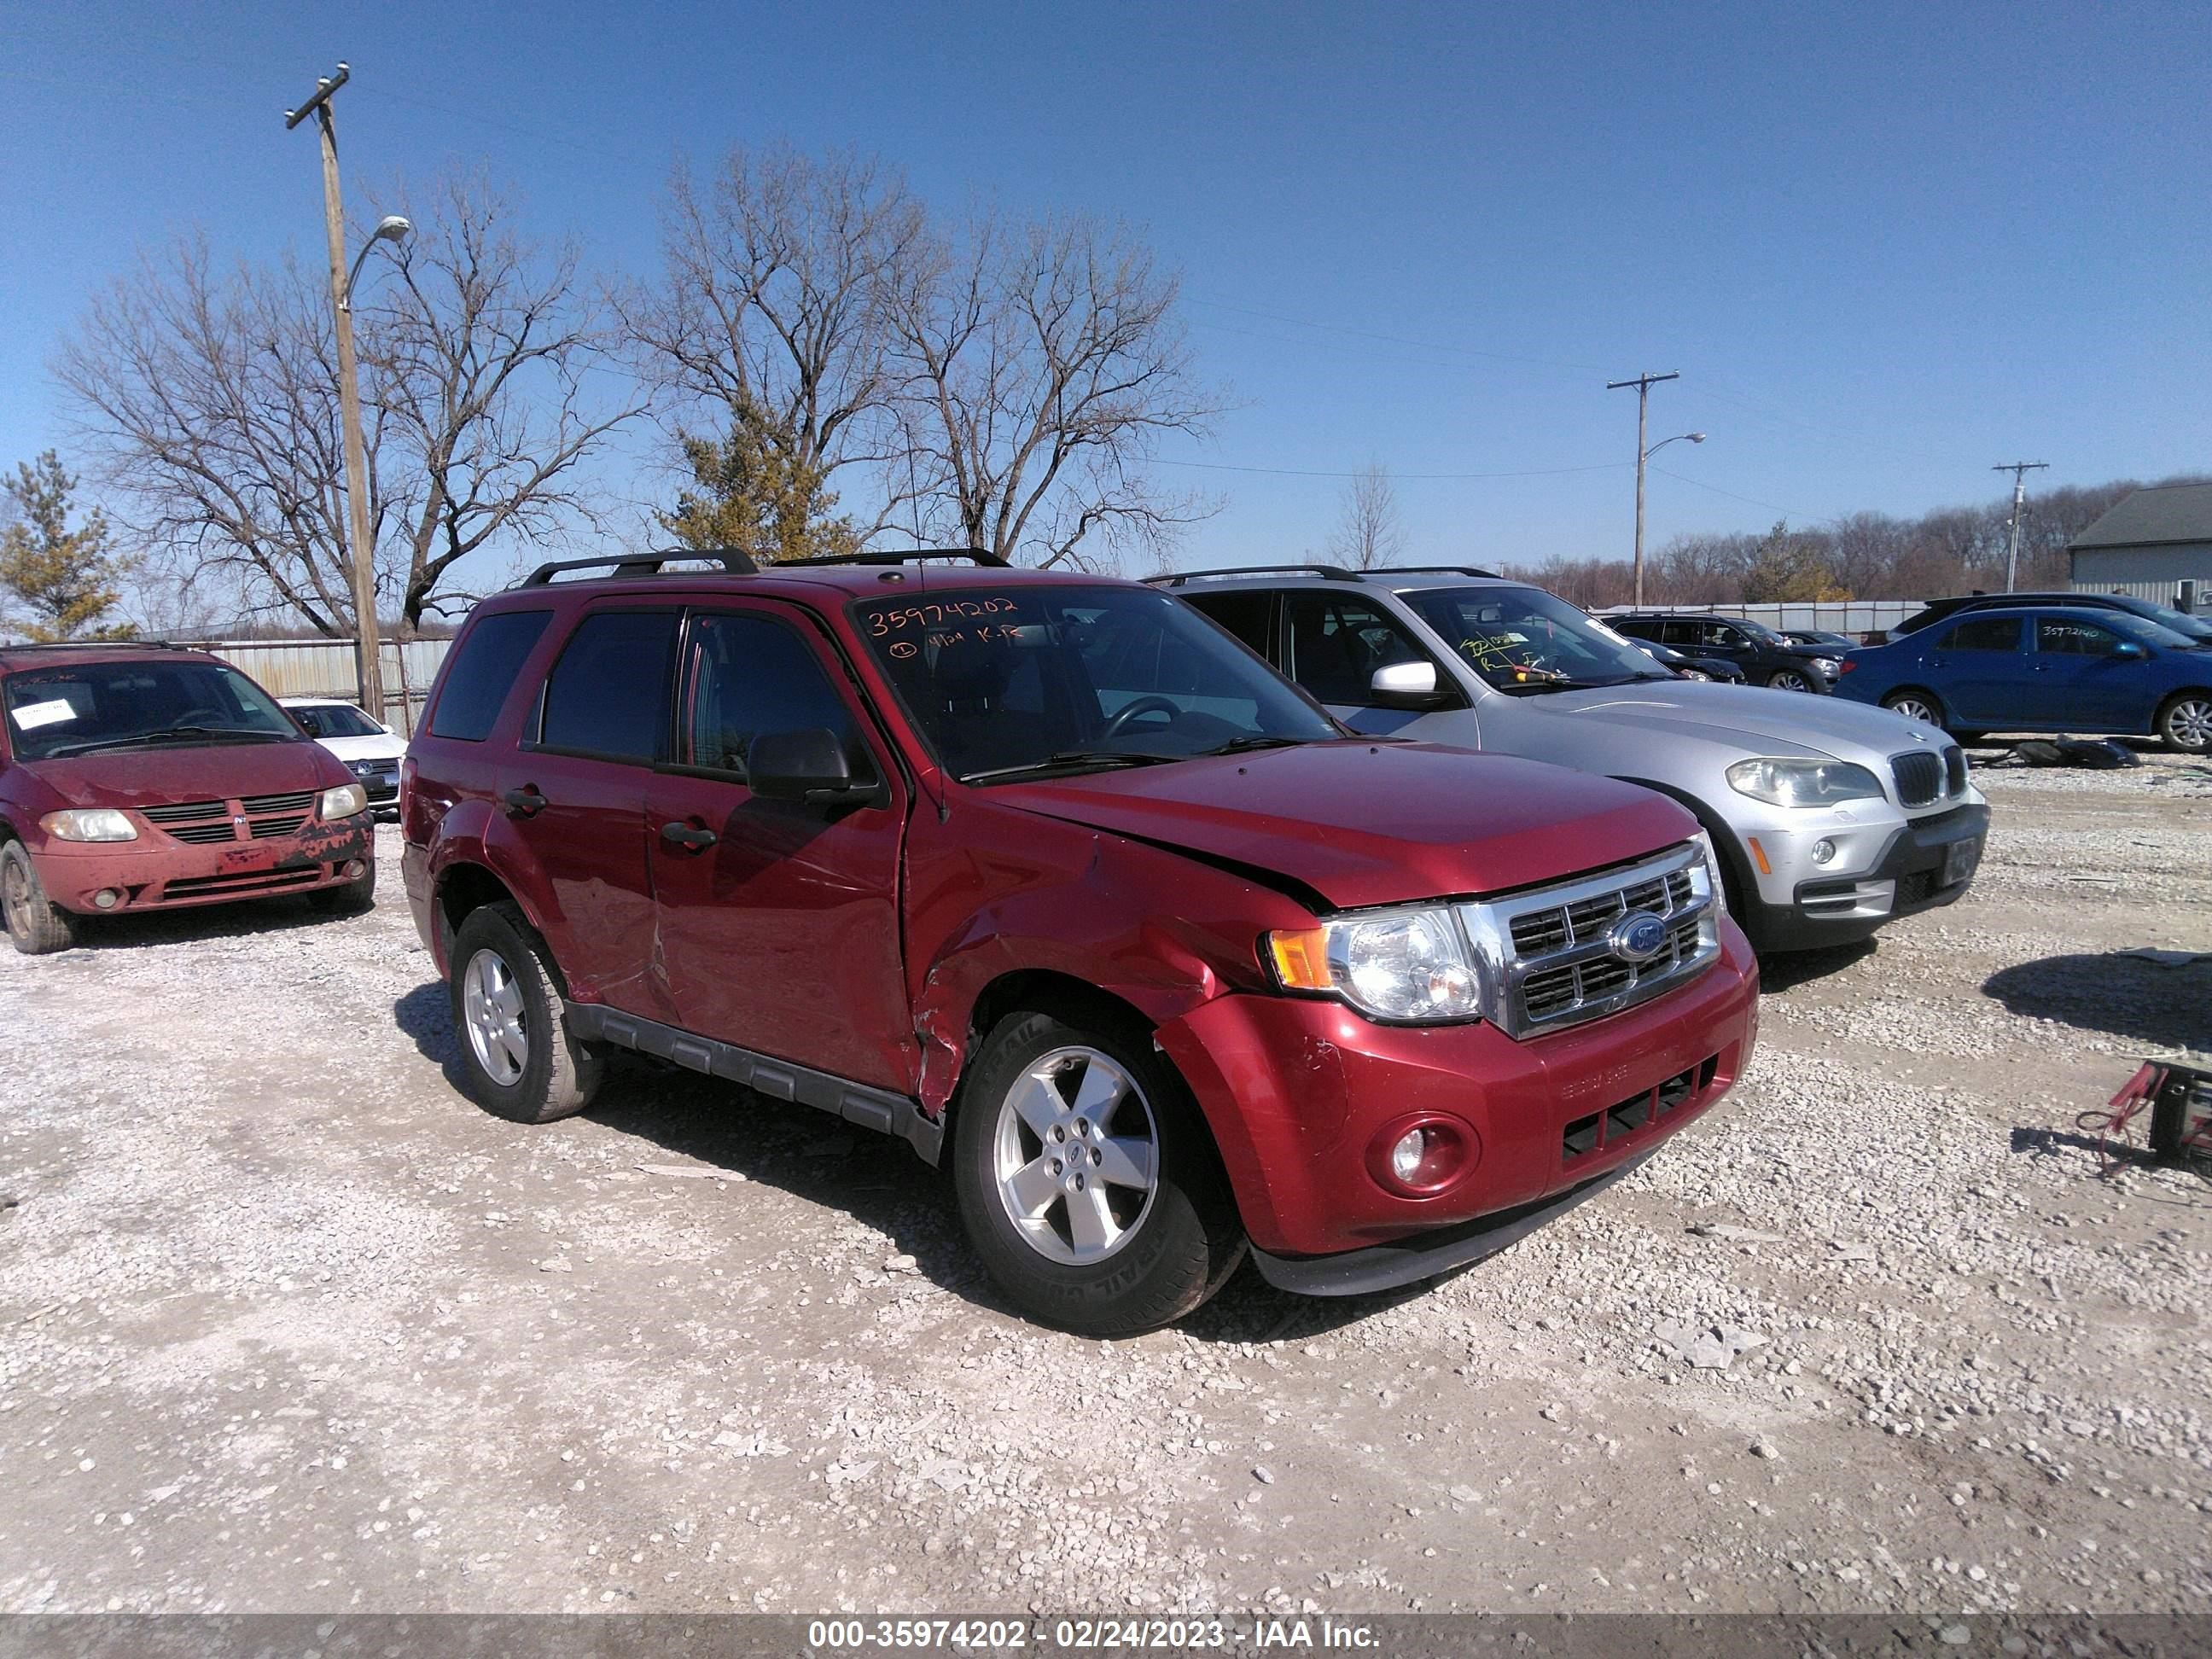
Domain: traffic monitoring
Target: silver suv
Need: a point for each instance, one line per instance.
(1830, 816)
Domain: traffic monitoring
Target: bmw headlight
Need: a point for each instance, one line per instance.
(89, 823)
(1802, 782)
(1412, 964)
(343, 802)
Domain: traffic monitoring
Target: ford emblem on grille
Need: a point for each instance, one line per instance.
(1636, 937)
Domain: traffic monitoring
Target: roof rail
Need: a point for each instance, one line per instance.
(906, 556)
(98, 645)
(1433, 570)
(734, 561)
(1334, 572)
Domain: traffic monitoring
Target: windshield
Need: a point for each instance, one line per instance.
(76, 708)
(2195, 628)
(1521, 639)
(336, 719)
(2144, 628)
(1029, 679)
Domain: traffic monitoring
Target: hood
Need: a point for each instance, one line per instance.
(377, 747)
(1362, 823)
(1747, 718)
(150, 777)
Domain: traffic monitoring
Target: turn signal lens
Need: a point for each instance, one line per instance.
(1301, 959)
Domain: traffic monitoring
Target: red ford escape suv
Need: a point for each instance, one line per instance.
(143, 777)
(1053, 878)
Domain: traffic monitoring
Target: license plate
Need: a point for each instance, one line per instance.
(1960, 860)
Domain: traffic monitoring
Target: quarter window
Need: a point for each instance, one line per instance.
(1984, 634)
(747, 674)
(483, 673)
(608, 695)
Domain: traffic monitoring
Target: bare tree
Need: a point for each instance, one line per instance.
(1041, 364)
(480, 345)
(209, 402)
(1370, 531)
(767, 320)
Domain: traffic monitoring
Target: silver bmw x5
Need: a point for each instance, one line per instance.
(1830, 817)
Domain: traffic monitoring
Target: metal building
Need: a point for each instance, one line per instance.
(2156, 543)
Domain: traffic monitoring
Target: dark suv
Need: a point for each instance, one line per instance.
(1765, 657)
(143, 777)
(1051, 877)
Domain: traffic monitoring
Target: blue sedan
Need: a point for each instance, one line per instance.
(2043, 669)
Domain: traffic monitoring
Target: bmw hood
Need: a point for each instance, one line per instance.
(1751, 717)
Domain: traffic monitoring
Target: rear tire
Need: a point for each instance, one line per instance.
(1916, 705)
(36, 925)
(1086, 1179)
(519, 1059)
(2185, 722)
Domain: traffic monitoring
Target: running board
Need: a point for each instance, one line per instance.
(780, 1079)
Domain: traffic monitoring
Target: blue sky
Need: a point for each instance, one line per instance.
(1886, 246)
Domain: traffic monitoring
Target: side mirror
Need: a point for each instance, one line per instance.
(1404, 685)
(2127, 651)
(807, 765)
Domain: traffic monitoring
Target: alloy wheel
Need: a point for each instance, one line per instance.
(2189, 723)
(1913, 709)
(1786, 681)
(1075, 1156)
(492, 1007)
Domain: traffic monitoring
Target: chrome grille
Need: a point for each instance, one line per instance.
(298, 803)
(1919, 777)
(1560, 968)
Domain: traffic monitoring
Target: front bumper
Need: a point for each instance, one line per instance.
(1909, 868)
(157, 873)
(1297, 1092)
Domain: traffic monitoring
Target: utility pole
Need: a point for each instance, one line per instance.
(1643, 383)
(369, 667)
(2020, 470)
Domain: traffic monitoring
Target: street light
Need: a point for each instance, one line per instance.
(1693, 437)
(389, 228)
(1642, 456)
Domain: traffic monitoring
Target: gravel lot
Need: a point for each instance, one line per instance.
(287, 1325)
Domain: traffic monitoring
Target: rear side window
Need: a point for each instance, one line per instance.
(750, 675)
(1984, 634)
(1244, 614)
(483, 673)
(608, 694)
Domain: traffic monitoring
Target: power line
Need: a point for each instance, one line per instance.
(1310, 472)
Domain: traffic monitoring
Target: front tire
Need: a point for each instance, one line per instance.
(519, 1059)
(355, 898)
(2185, 722)
(1086, 1179)
(1788, 679)
(36, 925)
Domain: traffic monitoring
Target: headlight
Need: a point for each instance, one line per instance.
(93, 823)
(343, 802)
(1714, 884)
(1410, 965)
(1827, 665)
(1802, 782)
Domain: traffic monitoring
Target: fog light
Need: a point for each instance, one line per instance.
(105, 899)
(1405, 1157)
(355, 866)
(1823, 851)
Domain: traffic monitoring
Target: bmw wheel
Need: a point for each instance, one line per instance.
(2185, 723)
(1086, 1179)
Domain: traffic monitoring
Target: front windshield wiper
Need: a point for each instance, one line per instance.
(1070, 758)
(1259, 740)
(166, 735)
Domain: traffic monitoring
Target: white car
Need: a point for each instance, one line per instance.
(372, 751)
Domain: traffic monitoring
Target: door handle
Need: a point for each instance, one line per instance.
(524, 803)
(690, 838)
